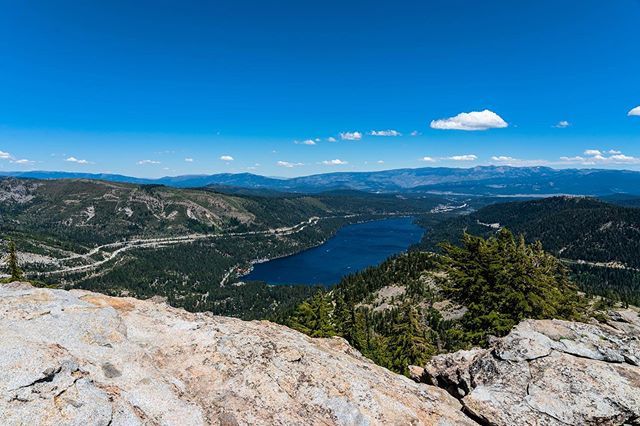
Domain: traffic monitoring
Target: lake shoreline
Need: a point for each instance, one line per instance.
(399, 221)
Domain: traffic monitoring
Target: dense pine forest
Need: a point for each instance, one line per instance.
(576, 229)
(418, 304)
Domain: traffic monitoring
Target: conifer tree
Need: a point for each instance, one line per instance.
(12, 263)
(313, 317)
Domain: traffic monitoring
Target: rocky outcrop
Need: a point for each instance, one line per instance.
(549, 372)
(80, 358)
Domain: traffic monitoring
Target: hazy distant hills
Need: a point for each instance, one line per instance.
(484, 180)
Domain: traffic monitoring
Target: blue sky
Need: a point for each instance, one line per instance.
(152, 88)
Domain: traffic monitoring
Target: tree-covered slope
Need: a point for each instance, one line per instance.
(184, 244)
(418, 304)
(570, 227)
(600, 241)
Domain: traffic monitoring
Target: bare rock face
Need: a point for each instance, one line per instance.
(80, 358)
(549, 372)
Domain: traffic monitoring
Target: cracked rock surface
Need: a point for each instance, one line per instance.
(549, 372)
(81, 358)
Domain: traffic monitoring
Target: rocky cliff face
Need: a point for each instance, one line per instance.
(549, 373)
(80, 358)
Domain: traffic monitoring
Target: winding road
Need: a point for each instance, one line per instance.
(123, 246)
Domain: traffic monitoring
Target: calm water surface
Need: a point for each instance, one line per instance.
(352, 249)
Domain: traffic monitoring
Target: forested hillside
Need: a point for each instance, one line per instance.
(418, 304)
(184, 244)
(605, 236)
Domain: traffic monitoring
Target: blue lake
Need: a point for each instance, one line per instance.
(353, 248)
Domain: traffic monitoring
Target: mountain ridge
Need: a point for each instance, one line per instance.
(479, 180)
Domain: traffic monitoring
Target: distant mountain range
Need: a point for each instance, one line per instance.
(482, 180)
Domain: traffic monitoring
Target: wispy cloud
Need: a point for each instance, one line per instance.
(428, 159)
(336, 162)
(575, 159)
(331, 139)
(7, 156)
(634, 112)
(380, 161)
(78, 161)
(415, 133)
(508, 160)
(470, 121)
(305, 142)
(465, 157)
(145, 162)
(288, 164)
(351, 136)
(503, 158)
(563, 124)
(189, 160)
(226, 158)
(593, 157)
(389, 132)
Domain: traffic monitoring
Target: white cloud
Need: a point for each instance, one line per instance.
(331, 139)
(143, 162)
(562, 124)
(415, 133)
(188, 160)
(466, 157)
(336, 162)
(512, 161)
(351, 136)
(573, 159)
(428, 159)
(634, 112)
(380, 161)
(389, 132)
(503, 158)
(305, 142)
(474, 120)
(23, 161)
(596, 157)
(6, 156)
(226, 158)
(621, 158)
(78, 161)
(288, 164)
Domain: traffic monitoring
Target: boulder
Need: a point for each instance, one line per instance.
(549, 372)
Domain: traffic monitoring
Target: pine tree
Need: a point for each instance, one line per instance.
(12, 263)
(410, 343)
(313, 317)
(502, 280)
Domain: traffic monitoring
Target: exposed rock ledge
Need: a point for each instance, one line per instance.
(80, 358)
(549, 373)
